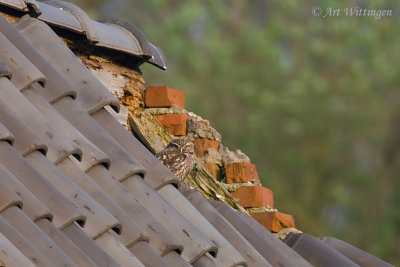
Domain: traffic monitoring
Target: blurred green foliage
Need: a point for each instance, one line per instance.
(313, 101)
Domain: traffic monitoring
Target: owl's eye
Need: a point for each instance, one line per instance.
(173, 145)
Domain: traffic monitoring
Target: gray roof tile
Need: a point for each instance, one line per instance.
(26, 141)
(268, 250)
(227, 255)
(91, 154)
(17, 4)
(134, 213)
(158, 58)
(132, 230)
(23, 245)
(98, 220)
(123, 165)
(59, 88)
(89, 246)
(174, 259)
(154, 53)
(147, 255)
(267, 236)
(58, 16)
(317, 252)
(356, 255)
(8, 198)
(118, 251)
(11, 256)
(4, 71)
(79, 14)
(157, 175)
(92, 95)
(185, 231)
(112, 34)
(72, 250)
(116, 37)
(24, 72)
(23, 224)
(205, 260)
(6, 135)
(160, 238)
(134, 31)
(224, 227)
(32, 206)
(63, 210)
(59, 146)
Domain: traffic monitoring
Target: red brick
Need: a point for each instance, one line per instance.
(213, 169)
(174, 123)
(202, 144)
(163, 96)
(254, 196)
(274, 221)
(241, 172)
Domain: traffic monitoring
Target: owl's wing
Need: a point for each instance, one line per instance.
(169, 157)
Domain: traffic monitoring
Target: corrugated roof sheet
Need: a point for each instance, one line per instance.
(78, 189)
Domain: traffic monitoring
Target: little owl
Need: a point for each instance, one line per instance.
(178, 156)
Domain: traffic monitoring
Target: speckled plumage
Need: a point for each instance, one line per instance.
(178, 156)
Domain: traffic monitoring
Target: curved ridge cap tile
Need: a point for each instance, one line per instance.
(17, 4)
(158, 58)
(134, 31)
(26, 141)
(4, 71)
(23, 5)
(79, 14)
(24, 72)
(6, 135)
(32, 6)
(59, 17)
(117, 38)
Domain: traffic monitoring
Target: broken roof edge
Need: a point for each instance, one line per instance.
(113, 35)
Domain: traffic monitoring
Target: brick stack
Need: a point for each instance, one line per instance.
(240, 176)
(175, 120)
(165, 97)
(256, 198)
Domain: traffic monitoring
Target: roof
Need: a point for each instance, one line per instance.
(78, 189)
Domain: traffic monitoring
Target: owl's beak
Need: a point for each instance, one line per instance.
(181, 149)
